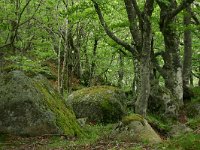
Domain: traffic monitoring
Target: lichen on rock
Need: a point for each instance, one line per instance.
(103, 104)
(135, 128)
(32, 107)
(161, 101)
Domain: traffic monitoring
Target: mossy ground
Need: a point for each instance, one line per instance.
(98, 137)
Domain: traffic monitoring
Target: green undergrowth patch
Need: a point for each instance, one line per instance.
(159, 124)
(2, 138)
(194, 123)
(93, 134)
(190, 141)
(196, 91)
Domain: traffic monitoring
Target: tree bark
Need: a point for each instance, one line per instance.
(172, 67)
(93, 64)
(144, 91)
(121, 70)
(187, 61)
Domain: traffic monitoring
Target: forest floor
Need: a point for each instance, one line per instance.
(98, 139)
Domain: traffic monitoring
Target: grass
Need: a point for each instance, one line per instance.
(97, 136)
(190, 141)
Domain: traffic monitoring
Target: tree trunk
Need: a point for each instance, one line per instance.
(93, 65)
(142, 41)
(172, 66)
(172, 62)
(144, 89)
(187, 61)
(121, 70)
(59, 66)
(136, 79)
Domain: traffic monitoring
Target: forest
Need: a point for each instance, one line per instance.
(100, 74)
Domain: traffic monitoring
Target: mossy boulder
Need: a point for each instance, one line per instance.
(193, 109)
(135, 128)
(162, 102)
(179, 129)
(100, 104)
(30, 106)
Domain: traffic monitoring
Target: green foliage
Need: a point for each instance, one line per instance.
(194, 123)
(159, 124)
(26, 64)
(188, 141)
(196, 91)
(93, 133)
(2, 138)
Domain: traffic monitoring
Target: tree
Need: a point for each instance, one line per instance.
(142, 44)
(172, 69)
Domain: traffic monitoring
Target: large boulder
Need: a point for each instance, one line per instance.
(179, 129)
(103, 104)
(193, 109)
(135, 128)
(31, 107)
(162, 102)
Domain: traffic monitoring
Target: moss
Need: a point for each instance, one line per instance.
(194, 123)
(100, 104)
(196, 91)
(111, 112)
(65, 118)
(132, 117)
(163, 127)
(189, 141)
(93, 90)
(196, 98)
(2, 138)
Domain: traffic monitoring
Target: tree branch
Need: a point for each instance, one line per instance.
(194, 17)
(132, 22)
(32, 17)
(148, 8)
(137, 10)
(182, 6)
(109, 32)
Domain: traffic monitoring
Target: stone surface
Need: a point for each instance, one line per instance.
(179, 129)
(162, 102)
(31, 107)
(193, 109)
(99, 103)
(136, 129)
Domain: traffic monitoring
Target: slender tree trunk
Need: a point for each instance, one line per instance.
(136, 79)
(144, 92)
(93, 65)
(121, 70)
(187, 61)
(59, 66)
